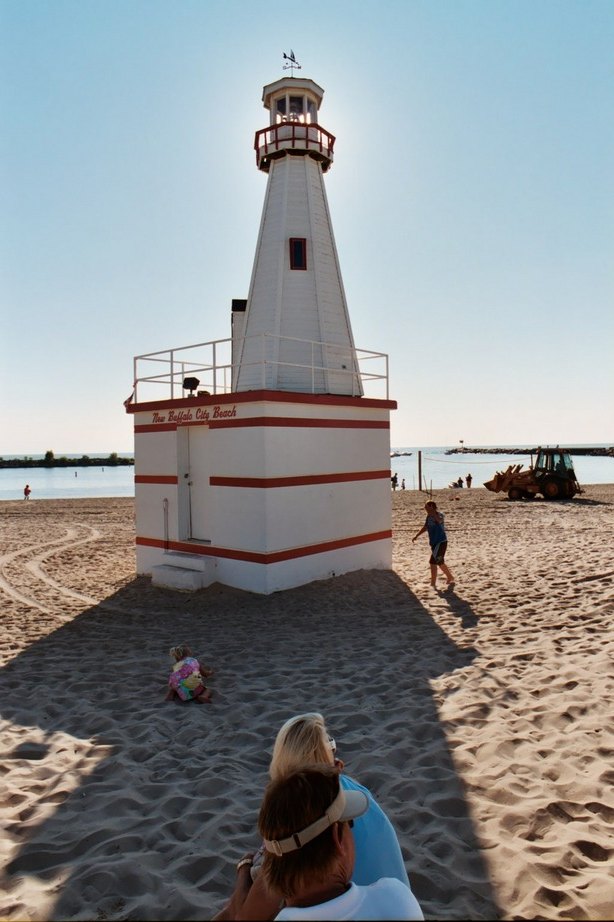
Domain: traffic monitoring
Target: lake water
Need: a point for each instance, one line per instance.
(67, 482)
(438, 469)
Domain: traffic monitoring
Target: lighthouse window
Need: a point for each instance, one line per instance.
(296, 106)
(312, 112)
(298, 253)
(281, 108)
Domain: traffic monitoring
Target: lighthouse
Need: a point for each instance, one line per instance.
(296, 291)
(263, 461)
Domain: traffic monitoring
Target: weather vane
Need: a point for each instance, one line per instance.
(293, 62)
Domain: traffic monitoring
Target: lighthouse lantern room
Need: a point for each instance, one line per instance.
(263, 461)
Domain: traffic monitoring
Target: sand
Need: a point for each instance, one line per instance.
(481, 718)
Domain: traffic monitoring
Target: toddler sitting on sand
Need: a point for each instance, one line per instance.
(187, 679)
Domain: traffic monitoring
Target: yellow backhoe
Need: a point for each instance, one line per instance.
(552, 475)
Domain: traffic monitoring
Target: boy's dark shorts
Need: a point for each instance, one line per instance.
(439, 552)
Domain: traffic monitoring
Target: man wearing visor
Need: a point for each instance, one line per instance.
(306, 822)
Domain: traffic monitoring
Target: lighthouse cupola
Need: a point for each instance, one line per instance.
(293, 105)
(293, 99)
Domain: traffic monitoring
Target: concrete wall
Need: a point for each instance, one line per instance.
(269, 534)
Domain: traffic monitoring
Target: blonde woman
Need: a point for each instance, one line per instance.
(305, 741)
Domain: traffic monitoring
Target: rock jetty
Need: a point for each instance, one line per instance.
(591, 452)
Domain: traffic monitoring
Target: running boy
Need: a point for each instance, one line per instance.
(438, 540)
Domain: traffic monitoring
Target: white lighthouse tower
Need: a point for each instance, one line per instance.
(296, 293)
(274, 470)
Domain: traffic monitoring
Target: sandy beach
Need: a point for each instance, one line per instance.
(480, 717)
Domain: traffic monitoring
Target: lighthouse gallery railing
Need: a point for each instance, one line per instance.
(293, 135)
(160, 375)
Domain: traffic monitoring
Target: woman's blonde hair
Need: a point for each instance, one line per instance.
(303, 740)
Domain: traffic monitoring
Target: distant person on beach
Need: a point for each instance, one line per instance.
(394, 481)
(403, 484)
(304, 740)
(187, 679)
(438, 541)
(26, 491)
(468, 480)
(460, 481)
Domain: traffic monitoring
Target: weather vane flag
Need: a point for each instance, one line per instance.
(293, 63)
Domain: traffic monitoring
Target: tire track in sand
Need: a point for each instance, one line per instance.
(34, 566)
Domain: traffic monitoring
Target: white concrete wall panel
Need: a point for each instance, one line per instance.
(377, 555)
(298, 451)
(149, 505)
(310, 410)
(239, 518)
(260, 578)
(321, 451)
(155, 453)
(290, 573)
(242, 574)
(238, 452)
(147, 558)
(281, 518)
(306, 515)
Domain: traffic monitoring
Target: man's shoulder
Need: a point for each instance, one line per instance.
(387, 885)
(390, 899)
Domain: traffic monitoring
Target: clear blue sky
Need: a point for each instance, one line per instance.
(472, 199)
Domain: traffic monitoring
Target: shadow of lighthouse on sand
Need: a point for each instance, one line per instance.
(144, 806)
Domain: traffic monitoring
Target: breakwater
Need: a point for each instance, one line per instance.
(587, 452)
(49, 461)
(594, 452)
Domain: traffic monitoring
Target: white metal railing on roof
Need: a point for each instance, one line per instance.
(161, 375)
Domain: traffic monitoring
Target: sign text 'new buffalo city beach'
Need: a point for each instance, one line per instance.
(202, 414)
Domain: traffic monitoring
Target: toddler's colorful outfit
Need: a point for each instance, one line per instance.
(186, 679)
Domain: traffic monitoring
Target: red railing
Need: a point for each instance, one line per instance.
(294, 136)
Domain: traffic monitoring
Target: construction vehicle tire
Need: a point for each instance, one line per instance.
(527, 495)
(514, 493)
(551, 489)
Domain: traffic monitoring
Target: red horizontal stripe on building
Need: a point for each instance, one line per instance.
(300, 481)
(283, 422)
(272, 557)
(155, 478)
(159, 427)
(256, 396)
(288, 422)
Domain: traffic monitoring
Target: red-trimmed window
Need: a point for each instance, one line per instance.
(298, 253)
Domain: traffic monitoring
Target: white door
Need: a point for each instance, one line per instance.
(199, 472)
